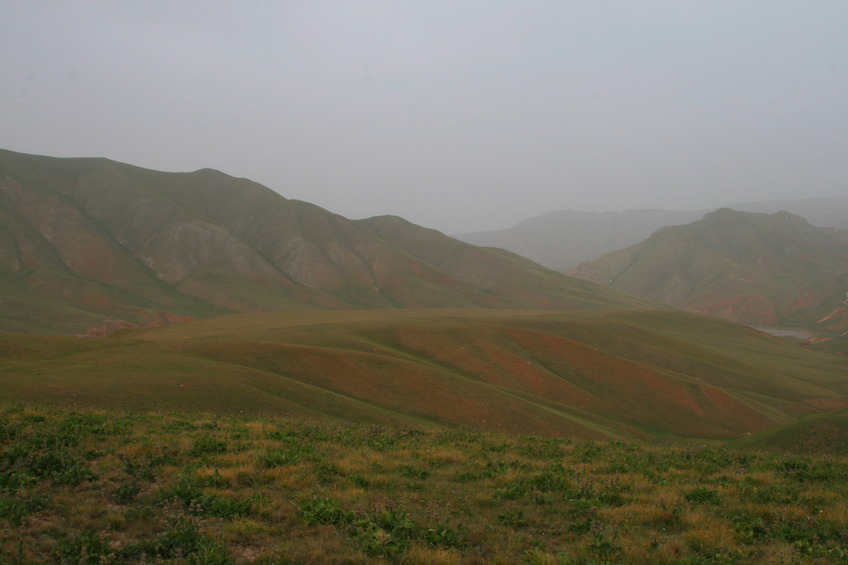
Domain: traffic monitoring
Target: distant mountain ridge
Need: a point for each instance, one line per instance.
(562, 239)
(744, 267)
(92, 245)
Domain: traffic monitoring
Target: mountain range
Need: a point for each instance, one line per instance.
(561, 240)
(293, 310)
(759, 269)
(91, 245)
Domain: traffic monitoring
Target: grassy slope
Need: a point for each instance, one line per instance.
(751, 268)
(67, 264)
(498, 272)
(576, 374)
(117, 487)
(813, 434)
(116, 242)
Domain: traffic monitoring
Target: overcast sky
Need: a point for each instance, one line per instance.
(458, 115)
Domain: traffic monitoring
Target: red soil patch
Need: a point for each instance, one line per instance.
(484, 356)
(837, 320)
(499, 376)
(624, 390)
(734, 410)
(402, 386)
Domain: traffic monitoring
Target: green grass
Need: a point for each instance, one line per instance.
(813, 434)
(592, 375)
(121, 487)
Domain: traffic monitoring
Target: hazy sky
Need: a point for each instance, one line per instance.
(458, 115)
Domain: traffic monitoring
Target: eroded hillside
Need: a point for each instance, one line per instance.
(90, 245)
(749, 268)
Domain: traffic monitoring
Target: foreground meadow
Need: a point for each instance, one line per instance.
(117, 487)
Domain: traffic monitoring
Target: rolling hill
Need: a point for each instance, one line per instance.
(311, 315)
(561, 240)
(814, 434)
(602, 374)
(91, 245)
(759, 269)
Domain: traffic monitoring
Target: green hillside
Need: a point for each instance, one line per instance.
(815, 434)
(618, 374)
(90, 245)
(758, 269)
(130, 487)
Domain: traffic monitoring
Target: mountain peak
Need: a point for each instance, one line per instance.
(752, 268)
(86, 245)
(732, 215)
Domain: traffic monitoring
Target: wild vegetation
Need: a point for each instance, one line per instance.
(121, 487)
(352, 426)
(592, 375)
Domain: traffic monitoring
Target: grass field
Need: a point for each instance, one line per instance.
(121, 487)
(423, 436)
(592, 375)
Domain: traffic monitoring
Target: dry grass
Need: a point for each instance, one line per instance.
(132, 488)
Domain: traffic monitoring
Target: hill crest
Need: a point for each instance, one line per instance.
(92, 244)
(759, 269)
(562, 239)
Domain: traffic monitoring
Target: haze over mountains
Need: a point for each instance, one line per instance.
(562, 239)
(89, 245)
(375, 320)
(222, 366)
(750, 268)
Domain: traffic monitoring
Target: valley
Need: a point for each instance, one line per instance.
(208, 292)
(423, 283)
(196, 369)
